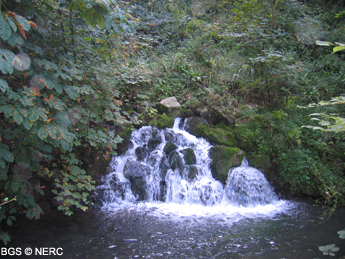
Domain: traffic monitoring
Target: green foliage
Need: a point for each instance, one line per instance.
(329, 249)
(57, 96)
(341, 234)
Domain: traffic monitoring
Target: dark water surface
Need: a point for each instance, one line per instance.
(140, 233)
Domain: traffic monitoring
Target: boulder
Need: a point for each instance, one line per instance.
(223, 158)
(219, 135)
(138, 187)
(154, 141)
(141, 153)
(176, 161)
(164, 166)
(193, 124)
(169, 106)
(135, 169)
(189, 156)
(261, 162)
(162, 121)
(169, 147)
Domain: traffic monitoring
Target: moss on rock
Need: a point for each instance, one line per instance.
(261, 162)
(223, 158)
(189, 156)
(162, 121)
(218, 135)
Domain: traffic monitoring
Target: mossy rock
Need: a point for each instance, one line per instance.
(189, 156)
(193, 125)
(170, 106)
(141, 153)
(261, 162)
(164, 166)
(176, 161)
(162, 121)
(218, 135)
(224, 158)
(154, 141)
(169, 147)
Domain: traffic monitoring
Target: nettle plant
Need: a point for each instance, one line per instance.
(56, 96)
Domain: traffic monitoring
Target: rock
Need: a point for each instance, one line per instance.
(138, 187)
(189, 156)
(141, 153)
(223, 158)
(169, 106)
(134, 169)
(176, 160)
(154, 141)
(214, 134)
(192, 172)
(261, 162)
(169, 147)
(163, 168)
(162, 121)
(193, 124)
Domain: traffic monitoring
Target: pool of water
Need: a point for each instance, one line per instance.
(154, 231)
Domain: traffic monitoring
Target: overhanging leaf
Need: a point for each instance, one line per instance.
(5, 28)
(3, 85)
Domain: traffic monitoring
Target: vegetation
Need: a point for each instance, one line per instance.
(77, 75)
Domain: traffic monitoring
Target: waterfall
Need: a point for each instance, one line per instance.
(173, 167)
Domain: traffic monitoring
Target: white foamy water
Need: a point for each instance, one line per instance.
(166, 174)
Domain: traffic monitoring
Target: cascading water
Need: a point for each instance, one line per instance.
(171, 167)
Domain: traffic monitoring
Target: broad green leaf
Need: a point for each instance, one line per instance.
(27, 100)
(5, 67)
(8, 110)
(12, 23)
(3, 85)
(49, 84)
(23, 22)
(2, 165)
(8, 55)
(27, 124)
(77, 5)
(6, 154)
(5, 28)
(33, 115)
(3, 173)
(42, 132)
(71, 92)
(58, 88)
(15, 186)
(338, 48)
(53, 131)
(17, 117)
(15, 40)
(43, 113)
(9, 222)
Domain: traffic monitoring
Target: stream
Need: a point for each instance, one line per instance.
(160, 200)
(138, 232)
